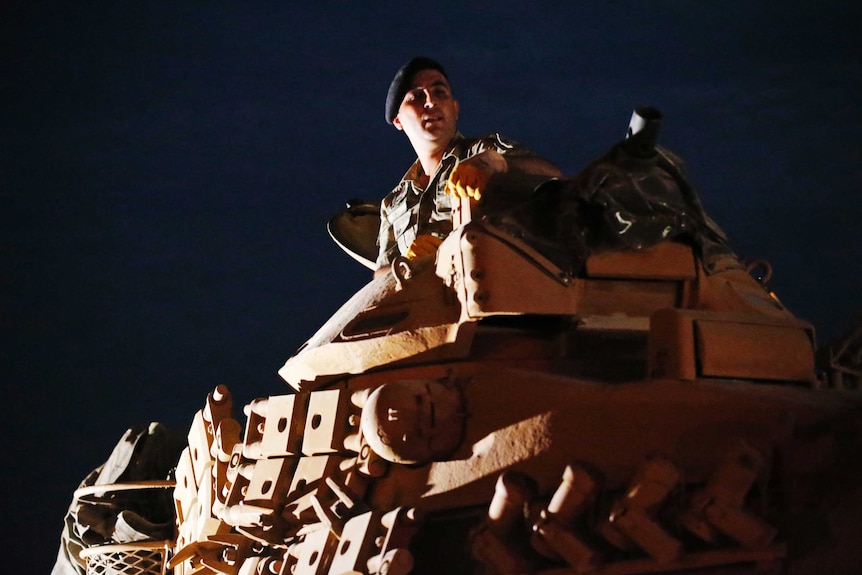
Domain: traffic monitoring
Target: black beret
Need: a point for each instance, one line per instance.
(399, 85)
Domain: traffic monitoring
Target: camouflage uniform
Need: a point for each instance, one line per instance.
(409, 210)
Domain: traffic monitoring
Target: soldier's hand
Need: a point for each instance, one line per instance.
(424, 245)
(470, 177)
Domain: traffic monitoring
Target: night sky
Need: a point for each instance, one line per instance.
(167, 170)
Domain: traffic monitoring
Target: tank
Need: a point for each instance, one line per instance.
(583, 379)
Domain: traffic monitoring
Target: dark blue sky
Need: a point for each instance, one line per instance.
(167, 169)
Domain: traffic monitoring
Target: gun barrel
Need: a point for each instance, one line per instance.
(642, 133)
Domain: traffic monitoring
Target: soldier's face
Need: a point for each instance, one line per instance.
(428, 111)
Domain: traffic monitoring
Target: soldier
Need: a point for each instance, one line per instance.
(416, 215)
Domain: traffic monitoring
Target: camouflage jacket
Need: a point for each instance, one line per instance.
(410, 210)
